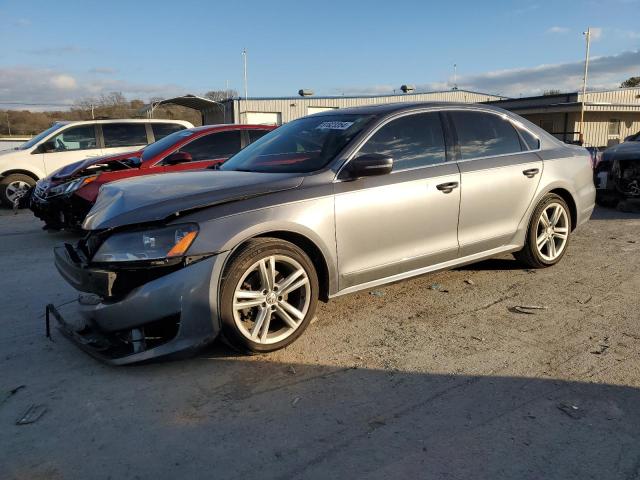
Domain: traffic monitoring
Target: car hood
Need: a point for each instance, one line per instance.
(623, 151)
(76, 168)
(156, 197)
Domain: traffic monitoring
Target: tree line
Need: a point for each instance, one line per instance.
(112, 105)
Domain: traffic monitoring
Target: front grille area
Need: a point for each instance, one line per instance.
(40, 191)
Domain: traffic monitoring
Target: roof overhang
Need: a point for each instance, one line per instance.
(190, 101)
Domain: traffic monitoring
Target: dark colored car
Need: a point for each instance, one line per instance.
(63, 199)
(617, 173)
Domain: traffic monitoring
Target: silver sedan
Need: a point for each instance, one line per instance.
(323, 206)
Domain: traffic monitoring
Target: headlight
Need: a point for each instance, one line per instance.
(71, 186)
(156, 244)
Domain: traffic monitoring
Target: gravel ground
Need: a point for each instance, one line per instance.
(436, 377)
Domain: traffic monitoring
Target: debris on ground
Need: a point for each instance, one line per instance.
(526, 309)
(584, 302)
(572, 411)
(377, 293)
(291, 370)
(602, 347)
(377, 423)
(295, 401)
(32, 414)
(480, 339)
(468, 281)
(437, 287)
(631, 335)
(10, 393)
(530, 270)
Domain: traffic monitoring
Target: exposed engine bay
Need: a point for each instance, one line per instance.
(625, 176)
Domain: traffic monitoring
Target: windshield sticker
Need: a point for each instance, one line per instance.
(334, 125)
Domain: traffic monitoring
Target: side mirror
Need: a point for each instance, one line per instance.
(367, 165)
(178, 157)
(46, 147)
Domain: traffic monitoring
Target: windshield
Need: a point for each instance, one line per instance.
(302, 146)
(156, 148)
(40, 136)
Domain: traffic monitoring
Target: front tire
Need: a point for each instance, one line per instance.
(268, 295)
(13, 187)
(548, 233)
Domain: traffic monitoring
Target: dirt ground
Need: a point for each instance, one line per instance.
(431, 378)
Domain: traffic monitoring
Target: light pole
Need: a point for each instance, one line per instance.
(455, 76)
(587, 35)
(244, 60)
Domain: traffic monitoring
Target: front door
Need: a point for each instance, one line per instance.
(392, 224)
(71, 145)
(499, 177)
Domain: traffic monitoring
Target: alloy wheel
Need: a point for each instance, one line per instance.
(552, 231)
(272, 299)
(15, 190)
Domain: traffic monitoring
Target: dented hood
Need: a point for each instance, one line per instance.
(76, 168)
(156, 197)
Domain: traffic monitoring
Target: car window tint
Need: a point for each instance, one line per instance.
(532, 142)
(484, 135)
(161, 130)
(124, 134)
(76, 138)
(215, 145)
(256, 134)
(412, 141)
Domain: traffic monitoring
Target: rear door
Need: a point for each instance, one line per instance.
(123, 137)
(392, 224)
(500, 172)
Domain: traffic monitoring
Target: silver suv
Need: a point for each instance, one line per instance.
(323, 206)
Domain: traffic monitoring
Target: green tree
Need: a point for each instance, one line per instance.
(631, 82)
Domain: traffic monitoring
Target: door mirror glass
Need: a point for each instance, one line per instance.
(368, 165)
(178, 157)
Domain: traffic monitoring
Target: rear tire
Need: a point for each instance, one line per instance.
(268, 295)
(548, 233)
(14, 186)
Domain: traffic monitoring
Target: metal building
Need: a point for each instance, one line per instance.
(609, 115)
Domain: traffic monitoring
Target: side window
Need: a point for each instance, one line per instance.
(161, 130)
(256, 134)
(76, 138)
(484, 135)
(216, 145)
(532, 142)
(412, 141)
(124, 134)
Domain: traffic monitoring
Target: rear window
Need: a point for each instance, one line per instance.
(161, 130)
(124, 134)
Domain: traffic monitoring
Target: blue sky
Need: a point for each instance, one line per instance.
(62, 51)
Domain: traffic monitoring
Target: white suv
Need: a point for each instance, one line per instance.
(68, 142)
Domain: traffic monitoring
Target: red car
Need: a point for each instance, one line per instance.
(63, 199)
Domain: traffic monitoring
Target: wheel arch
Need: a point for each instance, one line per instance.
(571, 203)
(307, 245)
(18, 171)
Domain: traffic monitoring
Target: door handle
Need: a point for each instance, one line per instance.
(447, 187)
(531, 172)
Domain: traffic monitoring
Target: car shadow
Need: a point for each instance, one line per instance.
(252, 417)
(602, 213)
(494, 264)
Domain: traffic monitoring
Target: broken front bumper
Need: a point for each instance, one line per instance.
(65, 211)
(171, 314)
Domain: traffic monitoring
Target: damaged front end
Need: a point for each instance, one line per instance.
(143, 297)
(58, 211)
(617, 177)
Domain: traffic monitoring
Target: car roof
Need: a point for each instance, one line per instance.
(388, 108)
(230, 126)
(125, 120)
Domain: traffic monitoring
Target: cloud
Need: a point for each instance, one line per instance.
(103, 70)
(21, 22)
(60, 50)
(47, 87)
(596, 33)
(604, 72)
(558, 30)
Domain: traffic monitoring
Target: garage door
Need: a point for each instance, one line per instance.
(264, 118)
(312, 110)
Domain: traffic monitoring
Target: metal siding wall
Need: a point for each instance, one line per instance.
(292, 108)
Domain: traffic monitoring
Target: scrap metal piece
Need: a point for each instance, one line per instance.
(32, 414)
